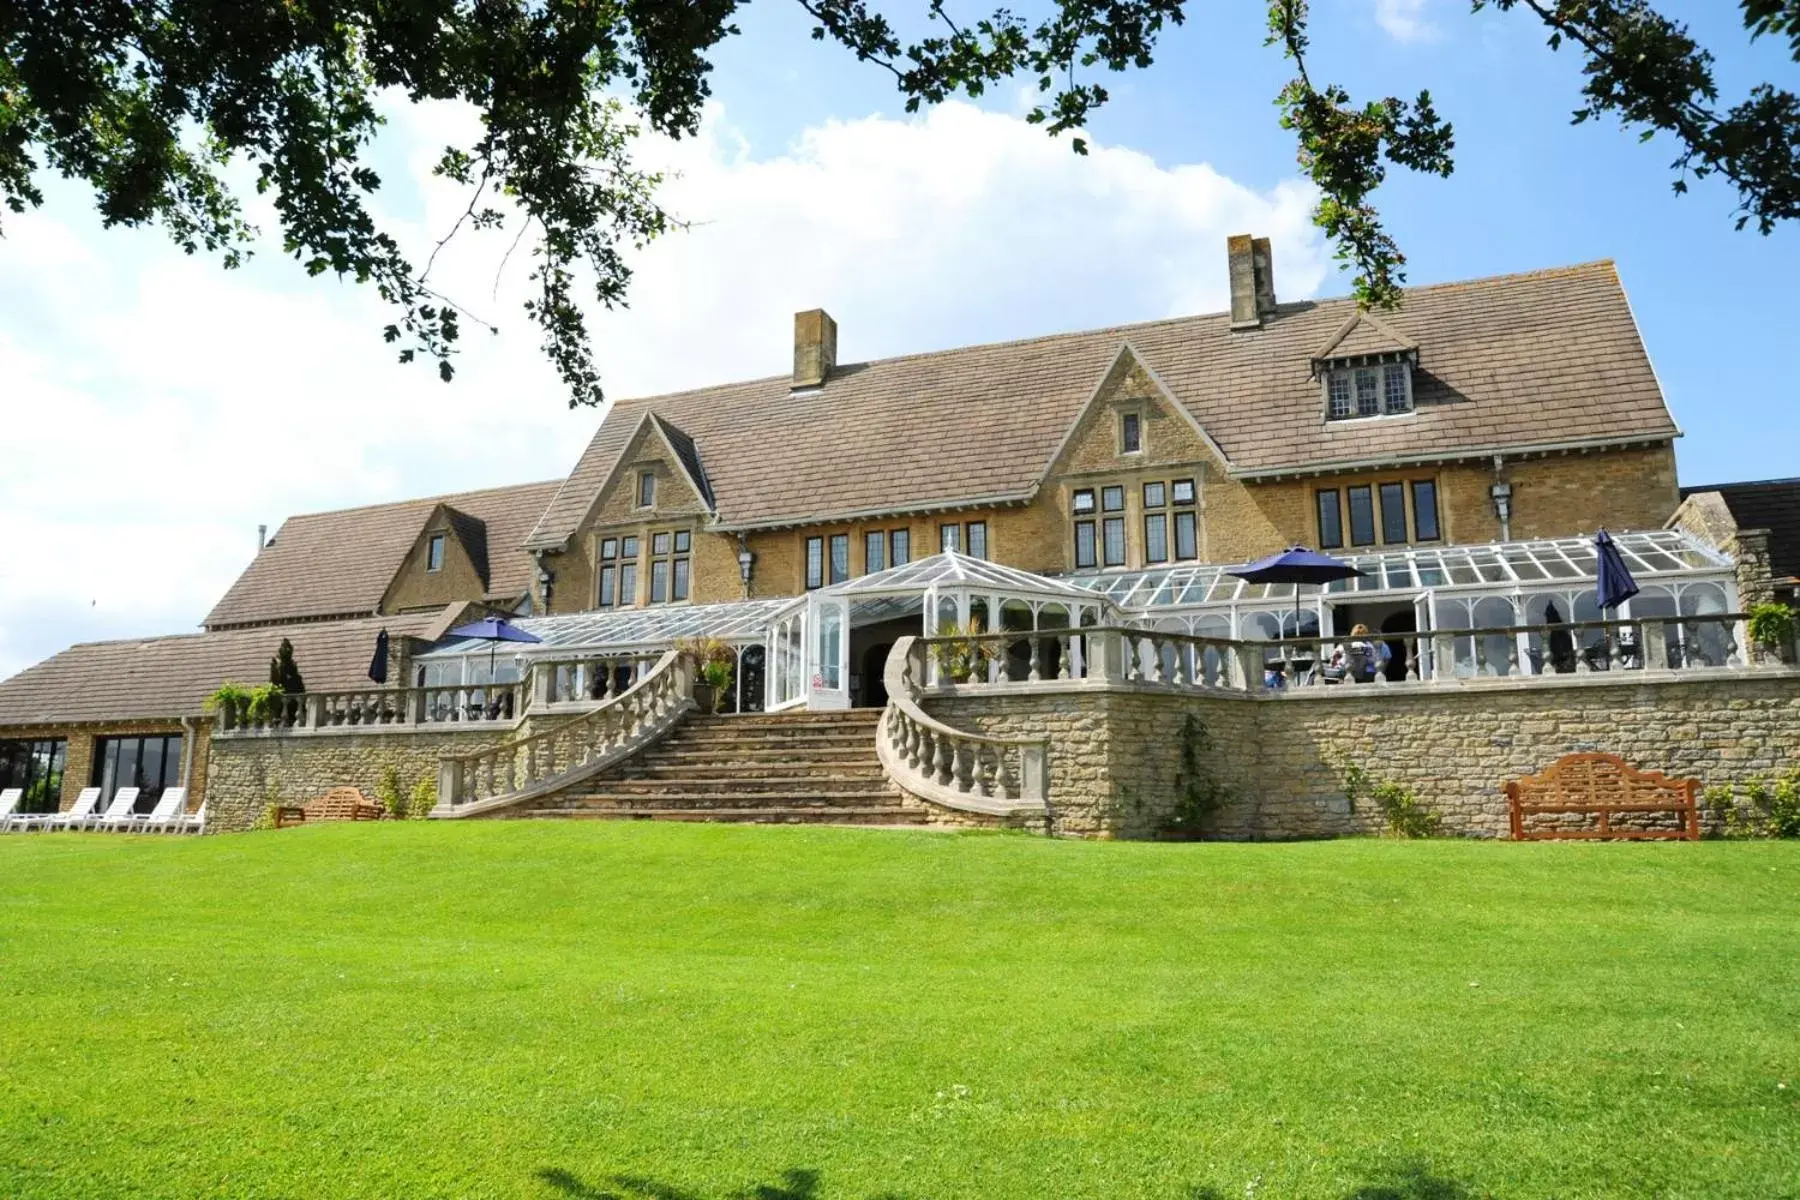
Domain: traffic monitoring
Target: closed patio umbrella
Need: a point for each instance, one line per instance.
(1613, 584)
(378, 666)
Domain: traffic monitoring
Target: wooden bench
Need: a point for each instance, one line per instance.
(289, 814)
(1604, 786)
(344, 804)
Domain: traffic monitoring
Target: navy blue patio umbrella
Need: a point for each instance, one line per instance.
(494, 630)
(378, 666)
(1296, 565)
(1613, 584)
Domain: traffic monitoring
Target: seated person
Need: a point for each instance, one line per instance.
(1336, 670)
(1364, 659)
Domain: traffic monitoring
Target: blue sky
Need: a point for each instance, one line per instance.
(158, 409)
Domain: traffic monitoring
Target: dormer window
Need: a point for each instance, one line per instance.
(1372, 390)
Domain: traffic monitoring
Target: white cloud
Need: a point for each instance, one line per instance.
(157, 408)
(1405, 20)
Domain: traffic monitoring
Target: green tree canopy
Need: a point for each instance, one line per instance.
(149, 101)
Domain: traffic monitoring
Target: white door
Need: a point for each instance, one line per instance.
(1424, 614)
(827, 651)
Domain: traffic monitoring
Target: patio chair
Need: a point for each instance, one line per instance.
(117, 815)
(9, 800)
(167, 811)
(194, 822)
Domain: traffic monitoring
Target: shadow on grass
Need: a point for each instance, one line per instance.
(1412, 1182)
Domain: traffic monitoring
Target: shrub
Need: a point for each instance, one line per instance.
(1721, 806)
(282, 671)
(1784, 807)
(424, 799)
(264, 704)
(1772, 625)
(230, 698)
(964, 656)
(716, 658)
(1405, 815)
(388, 792)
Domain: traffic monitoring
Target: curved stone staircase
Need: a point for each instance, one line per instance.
(777, 768)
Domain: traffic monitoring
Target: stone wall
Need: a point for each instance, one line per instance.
(1115, 751)
(249, 773)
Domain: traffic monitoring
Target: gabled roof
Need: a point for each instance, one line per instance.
(1363, 333)
(1502, 362)
(340, 564)
(687, 457)
(169, 677)
(1771, 504)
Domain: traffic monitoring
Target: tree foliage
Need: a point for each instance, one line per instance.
(153, 103)
(284, 673)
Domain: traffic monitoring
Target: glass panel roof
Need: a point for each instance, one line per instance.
(1503, 565)
(951, 569)
(632, 628)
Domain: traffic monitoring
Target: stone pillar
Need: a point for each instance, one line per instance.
(1749, 551)
(1106, 655)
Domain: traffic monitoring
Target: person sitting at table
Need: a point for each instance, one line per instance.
(1336, 670)
(1363, 660)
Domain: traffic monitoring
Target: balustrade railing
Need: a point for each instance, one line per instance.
(583, 744)
(958, 768)
(396, 708)
(1179, 660)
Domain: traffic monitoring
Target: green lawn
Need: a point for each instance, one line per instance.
(665, 1013)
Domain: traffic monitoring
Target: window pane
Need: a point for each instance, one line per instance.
(900, 542)
(1130, 437)
(978, 539)
(1362, 516)
(1114, 533)
(659, 581)
(1112, 499)
(950, 537)
(1186, 545)
(874, 552)
(606, 586)
(1338, 384)
(646, 490)
(1331, 518)
(1368, 404)
(815, 562)
(1084, 544)
(1184, 491)
(1393, 512)
(1156, 538)
(1153, 495)
(1425, 513)
(609, 548)
(1395, 385)
(628, 585)
(680, 589)
(683, 541)
(434, 553)
(840, 557)
(1083, 501)
(628, 548)
(659, 543)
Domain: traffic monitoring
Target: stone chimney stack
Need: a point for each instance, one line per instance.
(1252, 269)
(815, 348)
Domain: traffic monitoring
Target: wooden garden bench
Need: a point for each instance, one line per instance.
(289, 814)
(344, 804)
(1604, 786)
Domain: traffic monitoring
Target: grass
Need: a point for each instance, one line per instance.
(697, 1013)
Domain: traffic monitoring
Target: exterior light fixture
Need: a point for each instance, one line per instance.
(746, 558)
(1501, 491)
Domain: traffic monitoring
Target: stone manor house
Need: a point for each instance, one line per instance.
(992, 585)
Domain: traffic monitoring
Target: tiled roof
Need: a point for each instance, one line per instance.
(171, 677)
(1546, 358)
(339, 564)
(1771, 504)
(1363, 333)
(689, 456)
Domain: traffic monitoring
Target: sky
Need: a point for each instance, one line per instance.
(156, 409)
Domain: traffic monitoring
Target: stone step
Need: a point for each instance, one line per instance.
(613, 795)
(676, 754)
(764, 772)
(853, 717)
(765, 815)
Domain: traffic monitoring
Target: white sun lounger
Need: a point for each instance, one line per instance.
(83, 809)
(194, 822)
(9, 800)
(167, 813)
(118, 813)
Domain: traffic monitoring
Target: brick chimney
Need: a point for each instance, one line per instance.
(815, 348)
(1252, 270)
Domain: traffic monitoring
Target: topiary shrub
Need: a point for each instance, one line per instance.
(388, 793)
(424, 799)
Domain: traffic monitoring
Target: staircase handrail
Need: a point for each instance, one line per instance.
(957, 768)
(524, 768)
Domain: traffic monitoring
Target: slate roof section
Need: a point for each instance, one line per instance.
(169, 677)
(1363, 334)
(1771, 504)
(1545, 359)
(339, 564)
(688, 455)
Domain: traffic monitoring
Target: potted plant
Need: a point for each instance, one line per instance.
(1772, 632)
(962, 656)
(715, 660)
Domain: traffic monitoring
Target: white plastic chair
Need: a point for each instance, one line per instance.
(9, 800)
(82, 809)
(194, 822)
(167, 813)
(118, 813)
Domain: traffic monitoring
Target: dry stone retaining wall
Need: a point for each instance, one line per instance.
(1115, 752)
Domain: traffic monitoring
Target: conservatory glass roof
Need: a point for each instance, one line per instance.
(951, 569)
(630, 628)
(1500, 566)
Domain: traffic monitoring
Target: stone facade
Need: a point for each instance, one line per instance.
(417, 588)
(249, 773)
(1116, 751)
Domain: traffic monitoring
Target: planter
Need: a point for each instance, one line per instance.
(706, 698)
